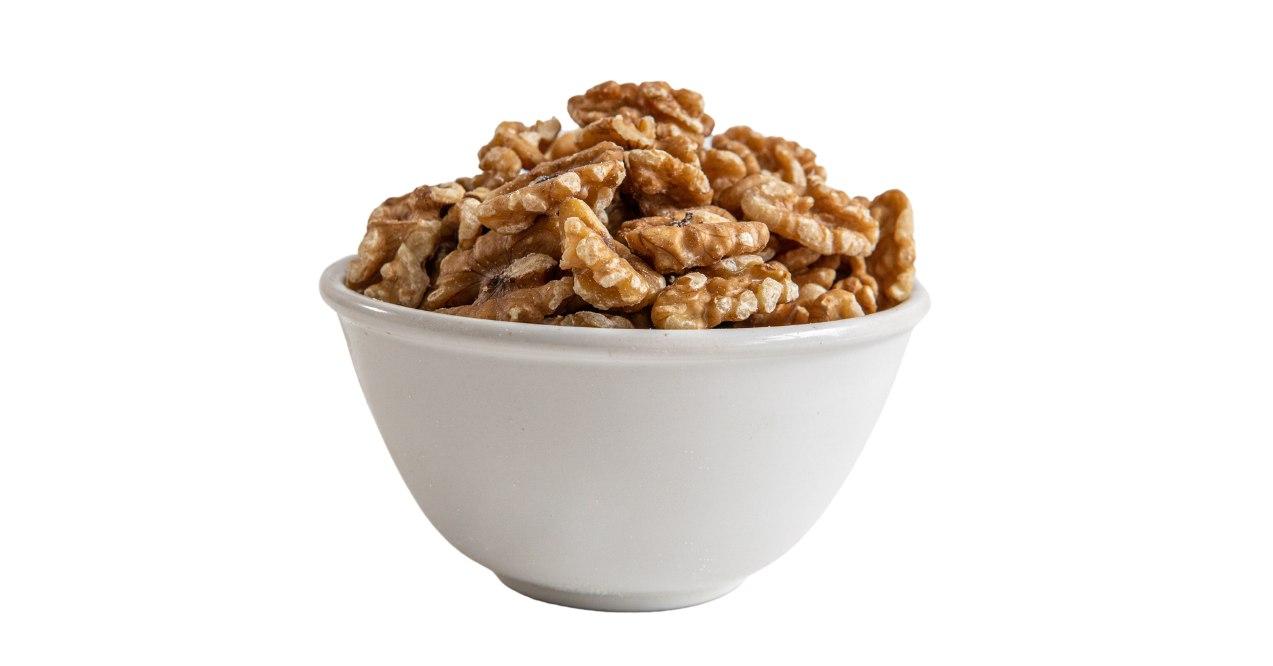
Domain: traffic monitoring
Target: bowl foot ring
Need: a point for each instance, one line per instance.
(643, 601)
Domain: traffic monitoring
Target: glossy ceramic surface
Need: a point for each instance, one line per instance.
(620, 469)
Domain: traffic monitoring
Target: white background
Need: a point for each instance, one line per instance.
(1074, 465)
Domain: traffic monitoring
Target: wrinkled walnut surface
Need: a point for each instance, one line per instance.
(847, 228)
(639, 218)
(590, 319)
(391, 223)
(675, 110)
(730, 290)
(697, 237)
(528, 304)
(893, 262)
(607, 274)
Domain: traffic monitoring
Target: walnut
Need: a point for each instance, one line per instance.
(798, 259)
(463, 273)
(566, 144)
(516, 210)
(733, 289)
(814, 304)
(751, 164)
(792, 312)
(731, 197)
(697, 237)
(846, 228)
(461, 221)
(531, 270)
(762, 276)
(723, 168)
(594, 174)
(676, 111)
(851, 212)
(391, 223)
(862, 284)
(775, 154)
(607, 274)
(660, 182)
(834, 305)
(689, 303)
(618, 130)
(683, 147)
(527, 304)
(590, 319)
(823, 277)
(822, 271)
(714, 210)
(743, 156)
(528, 143)
(479, 193)
(404, 279)
(513, 147)
(499, 165)
(893, 261)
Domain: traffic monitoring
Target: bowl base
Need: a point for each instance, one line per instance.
(639, 602)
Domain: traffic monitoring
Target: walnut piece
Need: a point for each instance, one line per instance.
(404, 279)
(684, 147)
(697, 237)
(531, 270)
(733, 289)
(731, 198)
(790, 313)
(659, 182)
(528, 304)
(675, 111)
(893, 261)
(593, 174)
(391, 223)
(723, 168)
(834, 305)
(775, 154)
(607, 274)
(464, 272)
(513, 147)
(618, 130)
(516, 210)
(839, 208)
(821, 271)
(468, 225)
(528, 143)
(862, 284)
(845, 229)
(799, 258)
(590, 319)
(814, 304)
(823, 277)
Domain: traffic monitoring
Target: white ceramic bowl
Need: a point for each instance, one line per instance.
(620, 469)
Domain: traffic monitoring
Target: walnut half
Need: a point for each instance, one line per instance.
(607, 274)
(695, 237)
(730, 290)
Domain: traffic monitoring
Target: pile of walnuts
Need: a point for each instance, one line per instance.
(640, 218)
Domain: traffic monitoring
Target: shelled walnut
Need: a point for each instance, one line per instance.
(639, 218)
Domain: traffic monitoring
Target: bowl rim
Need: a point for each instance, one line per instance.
(417, 324)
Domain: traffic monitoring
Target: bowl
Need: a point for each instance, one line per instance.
(622, 470)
